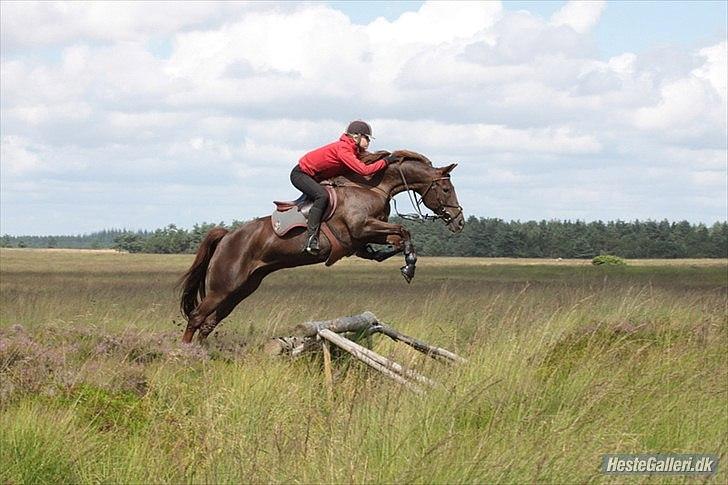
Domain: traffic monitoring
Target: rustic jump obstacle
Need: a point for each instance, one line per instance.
(318, 335)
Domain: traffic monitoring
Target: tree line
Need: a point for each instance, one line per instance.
(483, 237)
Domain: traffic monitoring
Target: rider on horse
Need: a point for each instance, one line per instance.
(327, 162)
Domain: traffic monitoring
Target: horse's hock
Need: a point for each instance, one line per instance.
(342, 333)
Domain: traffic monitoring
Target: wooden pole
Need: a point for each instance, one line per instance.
(371, 358)
(329, 376)
(355, 350)
(417, 344)
(355, 323)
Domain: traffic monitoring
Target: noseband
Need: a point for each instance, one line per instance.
(440, 212)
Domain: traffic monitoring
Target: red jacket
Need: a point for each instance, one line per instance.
(333, 159)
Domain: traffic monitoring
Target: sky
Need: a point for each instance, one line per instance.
(139, 115)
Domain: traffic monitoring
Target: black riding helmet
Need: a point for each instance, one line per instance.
(360, 127)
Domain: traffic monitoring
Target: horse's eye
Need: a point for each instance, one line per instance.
(446, 190)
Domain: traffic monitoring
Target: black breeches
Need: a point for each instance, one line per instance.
(306, 184)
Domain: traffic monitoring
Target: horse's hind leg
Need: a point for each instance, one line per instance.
(226, 306)
(222, 311)
(198, 317)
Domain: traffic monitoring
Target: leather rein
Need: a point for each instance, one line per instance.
(418, 201)
(440, 212)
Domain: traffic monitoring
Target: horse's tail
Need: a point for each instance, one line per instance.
(193, 281)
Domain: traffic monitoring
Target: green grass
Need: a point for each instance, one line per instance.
(566, 362)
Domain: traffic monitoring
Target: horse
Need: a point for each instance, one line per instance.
(230, 265)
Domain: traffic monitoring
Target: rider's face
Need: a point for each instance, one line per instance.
(363, 142)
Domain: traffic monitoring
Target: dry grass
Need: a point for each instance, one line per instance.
(566, 362)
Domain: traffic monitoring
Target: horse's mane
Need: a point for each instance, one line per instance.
(371, 157)
(410, 155)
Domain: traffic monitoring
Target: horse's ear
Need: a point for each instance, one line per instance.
(449, 168)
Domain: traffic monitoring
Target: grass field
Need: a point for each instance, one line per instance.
(566, 362)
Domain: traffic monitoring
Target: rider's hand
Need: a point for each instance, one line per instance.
(390, 158)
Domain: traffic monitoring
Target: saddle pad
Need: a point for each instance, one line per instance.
(288, 216)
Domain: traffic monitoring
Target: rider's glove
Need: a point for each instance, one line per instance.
(389, 159)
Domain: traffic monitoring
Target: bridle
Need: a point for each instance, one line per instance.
(440, 212)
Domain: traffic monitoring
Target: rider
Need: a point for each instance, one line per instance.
(329, 161)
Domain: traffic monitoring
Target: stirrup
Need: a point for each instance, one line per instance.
(312, 245)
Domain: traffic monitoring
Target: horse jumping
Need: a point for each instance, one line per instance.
(230, 265)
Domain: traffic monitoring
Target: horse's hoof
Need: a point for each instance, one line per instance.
(408, 272)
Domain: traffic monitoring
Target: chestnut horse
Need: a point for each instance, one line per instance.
(230, 266)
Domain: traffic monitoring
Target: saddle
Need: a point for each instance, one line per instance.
(294, 213)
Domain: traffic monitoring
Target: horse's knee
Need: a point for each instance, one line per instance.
(395, 240)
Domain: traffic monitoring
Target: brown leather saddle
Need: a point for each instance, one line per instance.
(294, 213)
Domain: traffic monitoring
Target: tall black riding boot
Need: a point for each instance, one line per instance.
(314, 221)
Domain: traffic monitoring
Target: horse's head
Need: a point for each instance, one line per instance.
(440, 198)
(435, 188)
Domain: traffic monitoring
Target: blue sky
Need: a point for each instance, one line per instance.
(624, 26)
(138, 115)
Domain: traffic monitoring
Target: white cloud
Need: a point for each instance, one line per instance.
(16, 157)
(579, 15)
(715, 178)
(484, 137)
(709, 159)
(436, 22)
(120, 21)
(681, 102)
(22, 157)
(41, 113)
(714, 69)
(246, 89)
(148, 120)
(623, 64)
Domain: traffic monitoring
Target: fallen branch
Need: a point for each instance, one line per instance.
(361, 353)
(356, 323)
(417, 344)
(310, 335)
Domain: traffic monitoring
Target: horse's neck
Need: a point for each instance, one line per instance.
(391, 181)
(412, 177)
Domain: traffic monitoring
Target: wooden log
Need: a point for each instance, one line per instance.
(358, 351)
(329, 375)
(293, 346)
(427, 349)
(355, 323)
(297, 346)
(282, 345)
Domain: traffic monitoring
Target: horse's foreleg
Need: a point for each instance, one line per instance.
(410, 260)
(375, 230)
(377, 255)
(396, 246)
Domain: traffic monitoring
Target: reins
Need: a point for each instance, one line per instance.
(416, 202)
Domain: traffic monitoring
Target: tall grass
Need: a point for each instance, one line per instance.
(566, 362)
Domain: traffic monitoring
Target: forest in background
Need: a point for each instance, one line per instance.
(482, 237)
